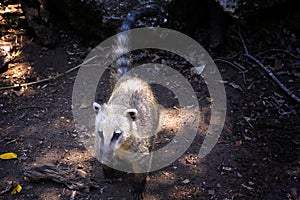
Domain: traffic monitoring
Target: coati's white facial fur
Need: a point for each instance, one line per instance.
(113, 126)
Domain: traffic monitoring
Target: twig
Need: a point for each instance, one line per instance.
(39, 81)
(230, 63)
(235, 65)
(232, 56)
(7, 189)
(73, 195)
(268, 71)
(279, 50)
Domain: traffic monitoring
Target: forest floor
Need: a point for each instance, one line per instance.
(256, 156)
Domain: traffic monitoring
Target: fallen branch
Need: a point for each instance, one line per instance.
(64, 175)
(268, 71)
(39, 81)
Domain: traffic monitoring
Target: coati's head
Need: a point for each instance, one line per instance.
(114, 126)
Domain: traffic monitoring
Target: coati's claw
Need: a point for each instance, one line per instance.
(137, 195)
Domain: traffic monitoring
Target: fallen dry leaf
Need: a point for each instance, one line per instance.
(18, 93)
(17, 189)
(186, 181)
(7, 156)
(238, 143)
(197, 70)
(209, 99)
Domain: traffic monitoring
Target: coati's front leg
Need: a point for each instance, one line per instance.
(138, 185)
(139, 179)
(138, 182)
(109, 173)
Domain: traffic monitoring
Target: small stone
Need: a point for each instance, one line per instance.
(211, 192)
(82, 173)
(186, 181)
(251, 183)
(239, 175)
(227, 168)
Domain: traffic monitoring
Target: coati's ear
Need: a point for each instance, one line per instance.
(132, 113)
(96, 107)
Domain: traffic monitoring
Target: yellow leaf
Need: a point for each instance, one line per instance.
(17, 189)
(7, 156)
(209, 99)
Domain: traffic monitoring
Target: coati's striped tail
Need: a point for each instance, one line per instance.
(122, 47)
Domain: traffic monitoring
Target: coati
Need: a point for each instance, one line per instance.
(124, 125)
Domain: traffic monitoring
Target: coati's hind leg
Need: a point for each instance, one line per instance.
(138, 185)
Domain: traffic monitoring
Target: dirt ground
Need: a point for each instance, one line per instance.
(256, 156)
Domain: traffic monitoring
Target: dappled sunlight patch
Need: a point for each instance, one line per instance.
(57, 156)
(190, 160)
(50, 157)
(12, 8)
(171, 119)
(62, 122)
(17, 74)
(164, 177)
(77, 157)
(18, 71)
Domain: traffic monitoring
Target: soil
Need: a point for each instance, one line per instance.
(256, 156)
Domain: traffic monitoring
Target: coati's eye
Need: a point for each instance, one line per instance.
(116, 135)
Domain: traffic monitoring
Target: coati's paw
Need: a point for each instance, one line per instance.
(137, 195)
(108, 172)
(138, 190)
